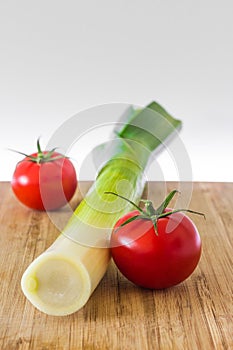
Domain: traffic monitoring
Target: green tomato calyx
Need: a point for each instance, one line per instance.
(152, 214)
(42, 156)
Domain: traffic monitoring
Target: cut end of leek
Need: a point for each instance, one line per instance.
(56, 285)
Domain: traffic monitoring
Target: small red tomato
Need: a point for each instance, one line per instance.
(44, 180)
(156, 252)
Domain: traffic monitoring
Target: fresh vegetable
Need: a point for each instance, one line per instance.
(44, 180)
(61, 280)
(156, 248)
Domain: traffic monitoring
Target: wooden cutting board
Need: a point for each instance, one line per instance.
(197, 314)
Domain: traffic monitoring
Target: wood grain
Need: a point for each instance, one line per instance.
(197, 314)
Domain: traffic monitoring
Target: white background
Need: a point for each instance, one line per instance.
(58, 58)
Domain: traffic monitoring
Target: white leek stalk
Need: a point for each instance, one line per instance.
(61, 280)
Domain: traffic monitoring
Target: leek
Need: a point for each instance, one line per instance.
(61, 280)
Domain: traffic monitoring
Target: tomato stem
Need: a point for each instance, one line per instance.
(149, 206)
(41, 156)
(38, 146)
(150, 213)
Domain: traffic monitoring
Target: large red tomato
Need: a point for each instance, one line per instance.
(44, 180)
(157, 255)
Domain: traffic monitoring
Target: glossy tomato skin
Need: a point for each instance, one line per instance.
(156, 261)
(44, 186)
